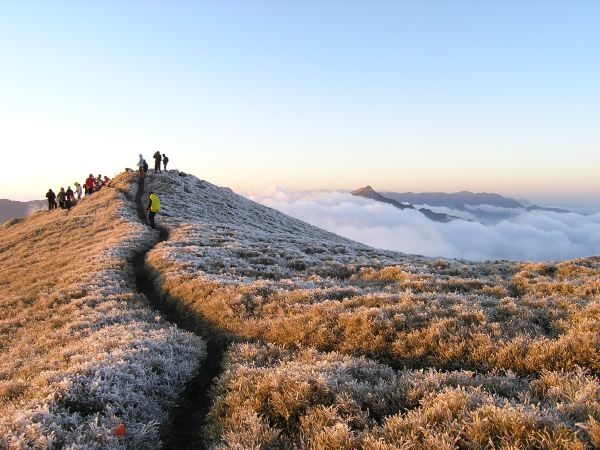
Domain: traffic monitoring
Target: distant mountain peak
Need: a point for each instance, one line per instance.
(363, 190)
(369, 192)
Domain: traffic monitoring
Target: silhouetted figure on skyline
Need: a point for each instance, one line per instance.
(61, 198)
(69, 197)
(89, 185)
(78, 190)
(51, 196)
(157, 161)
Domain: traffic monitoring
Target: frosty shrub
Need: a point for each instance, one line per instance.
(81, 351)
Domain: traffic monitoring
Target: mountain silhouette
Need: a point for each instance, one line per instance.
(369, 192)
(464, 199)
(10, 209)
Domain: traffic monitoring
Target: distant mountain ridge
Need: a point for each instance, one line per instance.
(9, 209)
(461, 200)
(369, 192)
(484, 207)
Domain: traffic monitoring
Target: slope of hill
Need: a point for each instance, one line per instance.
(81, 350)
(369, 192)
(325, 342)
(10, 209)
(352, 347)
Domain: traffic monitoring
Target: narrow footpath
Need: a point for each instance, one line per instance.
(183, 430)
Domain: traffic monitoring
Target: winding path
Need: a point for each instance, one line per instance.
(184, 428)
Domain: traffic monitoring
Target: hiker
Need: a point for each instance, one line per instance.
(165, 161)
(153, 208)
(89, 185)
(78, 190)
(69, 196)
(141, 163)
(145, 166)
(51, 196)
(106, 180)
(98, 183)
(61, 198)
(157, 161)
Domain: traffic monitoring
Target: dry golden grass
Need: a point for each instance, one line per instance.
(435, 327)
(46, 262)
(257, 275)
(271, 397)
(73, 329)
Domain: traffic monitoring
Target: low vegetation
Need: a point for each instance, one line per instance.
(333, 344)
(272, 397)
(256, 275)
(80, 350)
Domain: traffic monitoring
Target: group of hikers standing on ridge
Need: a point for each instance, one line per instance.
(65, 199)
(69, 198)
(158, 158)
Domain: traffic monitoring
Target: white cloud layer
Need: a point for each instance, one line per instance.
(534, 236)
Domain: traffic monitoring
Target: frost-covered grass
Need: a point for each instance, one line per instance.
(81, 351)
(271, 397)
(257, 274)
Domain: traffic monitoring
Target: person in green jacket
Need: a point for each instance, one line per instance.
(153, 208)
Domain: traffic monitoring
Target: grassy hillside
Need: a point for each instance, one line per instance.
(493, 354)
(80, 350)
(325, 342)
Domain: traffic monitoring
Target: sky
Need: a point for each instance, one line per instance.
(402, 95)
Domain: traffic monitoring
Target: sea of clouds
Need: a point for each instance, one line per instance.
(533, 236)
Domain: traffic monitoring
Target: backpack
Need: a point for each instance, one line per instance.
(145, 166)
(166, 159)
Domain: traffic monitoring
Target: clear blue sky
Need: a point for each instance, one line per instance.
(420, 95)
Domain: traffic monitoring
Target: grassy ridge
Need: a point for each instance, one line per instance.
(81, 351)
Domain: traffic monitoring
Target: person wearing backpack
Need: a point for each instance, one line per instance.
(152, 208)
(61, 198)
(141, 163)
(157, 161)
(89, 185)
(69, 197)
(165, 161)
(51, 196)
(78, 190)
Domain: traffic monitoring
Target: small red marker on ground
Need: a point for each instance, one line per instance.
(120, 430)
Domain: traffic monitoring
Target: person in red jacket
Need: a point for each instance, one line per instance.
(89, 185)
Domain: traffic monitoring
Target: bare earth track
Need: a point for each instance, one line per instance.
(184, 428)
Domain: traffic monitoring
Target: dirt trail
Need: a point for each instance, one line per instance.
(184, 428)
